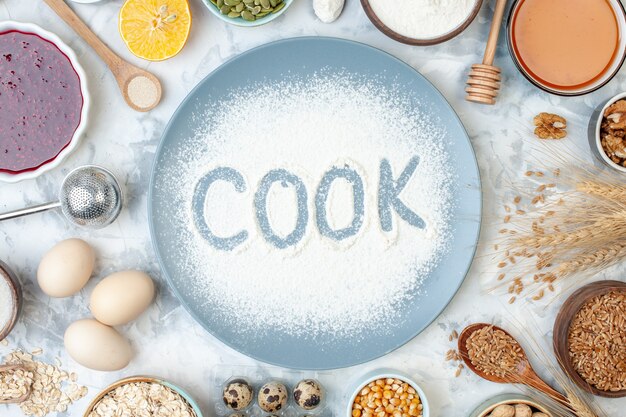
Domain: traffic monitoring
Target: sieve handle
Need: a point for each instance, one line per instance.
(29, 210)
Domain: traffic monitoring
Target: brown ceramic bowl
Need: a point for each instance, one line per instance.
(419, 42)
(561, 331)
(16, 295)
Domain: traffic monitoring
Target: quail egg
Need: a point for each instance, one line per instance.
(272, 397)
(237, 394)
(308, 394)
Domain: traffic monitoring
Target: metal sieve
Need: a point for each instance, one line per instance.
(90, 196)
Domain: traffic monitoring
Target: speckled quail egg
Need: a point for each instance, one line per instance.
(237, 395)
(308, 394)
(272, 397)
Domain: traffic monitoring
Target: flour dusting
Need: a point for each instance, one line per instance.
(317, 285)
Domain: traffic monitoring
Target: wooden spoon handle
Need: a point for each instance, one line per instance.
(68, 15)
(538, 384)
(494, 33)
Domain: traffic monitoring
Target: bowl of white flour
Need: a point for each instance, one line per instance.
(421, 22)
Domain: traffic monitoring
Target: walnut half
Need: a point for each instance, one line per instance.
(550, 126)
(616, 115)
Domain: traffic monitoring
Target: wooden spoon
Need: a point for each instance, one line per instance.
(483, 83)
(525, 373)
(143, 81)
(9, 368)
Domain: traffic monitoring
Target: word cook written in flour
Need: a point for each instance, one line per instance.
(389, 190)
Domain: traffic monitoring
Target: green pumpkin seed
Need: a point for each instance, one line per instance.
(248, 16)
(232, 2)
(239, 8)
(234, 14)
(262, 14)
(265, 4)
(225, 9)
(220, 3)
(214, 2)
(278, 8)
(256, 10)
(257, 2)
(248, 2)
(273, 3)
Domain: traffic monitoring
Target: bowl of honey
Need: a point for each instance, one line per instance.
(567, 47)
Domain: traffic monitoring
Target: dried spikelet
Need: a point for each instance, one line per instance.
(580, 407)
(581, 226)
(597, 259)
(607, 191)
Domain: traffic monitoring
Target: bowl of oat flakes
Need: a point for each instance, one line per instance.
(143, 396)
(610, 133)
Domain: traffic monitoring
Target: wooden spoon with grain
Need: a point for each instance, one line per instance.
(525, 374)
(124, 72)
(23, 397)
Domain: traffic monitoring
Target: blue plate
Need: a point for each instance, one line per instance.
(303, 57)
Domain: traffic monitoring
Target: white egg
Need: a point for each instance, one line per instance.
(121, 297)
(97, 346)
(65, 269)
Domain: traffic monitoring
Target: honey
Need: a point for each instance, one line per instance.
(565, 44)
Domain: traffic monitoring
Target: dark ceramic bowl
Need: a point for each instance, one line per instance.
(16, 298)
(367, 7)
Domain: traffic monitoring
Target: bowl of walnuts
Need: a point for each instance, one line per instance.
(511, 405)
(610, 133)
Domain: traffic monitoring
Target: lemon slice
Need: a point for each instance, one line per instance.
(155, 29)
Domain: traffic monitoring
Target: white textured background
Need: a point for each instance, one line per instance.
(168, 343)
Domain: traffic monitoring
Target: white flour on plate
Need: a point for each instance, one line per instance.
(422, 19)
(318, 285)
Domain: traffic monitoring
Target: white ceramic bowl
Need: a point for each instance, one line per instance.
(32, 28)
(600, 150)
(387, 373)
(244, 23)
(487, 407)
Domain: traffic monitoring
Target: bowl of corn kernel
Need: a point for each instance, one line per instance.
(387, 393)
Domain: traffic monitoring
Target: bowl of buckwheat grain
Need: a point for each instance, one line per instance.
(388, 393)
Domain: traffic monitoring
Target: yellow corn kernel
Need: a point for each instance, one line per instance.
(356, 413)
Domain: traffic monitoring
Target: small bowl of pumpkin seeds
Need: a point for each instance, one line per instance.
(247, 12)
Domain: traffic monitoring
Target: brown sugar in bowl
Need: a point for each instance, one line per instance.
(560, 334)
(367, 7)
(16, 295)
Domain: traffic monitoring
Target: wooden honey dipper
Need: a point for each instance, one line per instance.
(483, 83)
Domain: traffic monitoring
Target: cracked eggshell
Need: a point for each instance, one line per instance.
(121, 297)
(65, 269)
(97, 346)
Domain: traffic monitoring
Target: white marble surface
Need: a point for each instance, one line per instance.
(167, 341)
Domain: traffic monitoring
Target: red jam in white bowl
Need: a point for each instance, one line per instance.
(40, 101)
